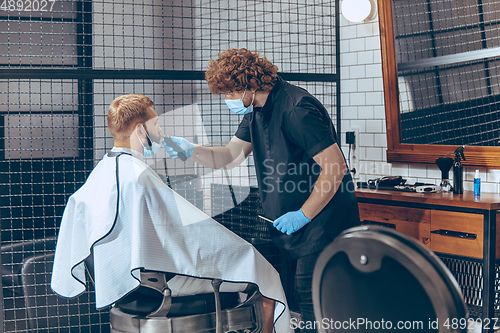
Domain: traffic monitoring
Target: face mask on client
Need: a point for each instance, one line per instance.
(237, 106)
(148, 152)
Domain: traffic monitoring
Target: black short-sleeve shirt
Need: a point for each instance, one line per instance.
(286, 133)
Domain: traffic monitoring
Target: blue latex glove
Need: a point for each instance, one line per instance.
(290, 222)
(186, 146)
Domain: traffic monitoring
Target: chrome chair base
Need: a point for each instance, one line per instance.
(246, 317)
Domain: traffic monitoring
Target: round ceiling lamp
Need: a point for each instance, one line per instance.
(359, 10)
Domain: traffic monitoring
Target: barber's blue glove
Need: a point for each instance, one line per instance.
(186, 146)
(290, 222)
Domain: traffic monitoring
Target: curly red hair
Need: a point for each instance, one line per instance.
(237, 69)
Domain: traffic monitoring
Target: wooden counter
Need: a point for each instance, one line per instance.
(452, 224)
(488, 201)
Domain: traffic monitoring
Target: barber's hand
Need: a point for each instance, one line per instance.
(290, 222)
(186, 146)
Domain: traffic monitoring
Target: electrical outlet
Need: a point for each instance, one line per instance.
(350, 137)
(354, 162)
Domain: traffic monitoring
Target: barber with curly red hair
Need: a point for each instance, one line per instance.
(304, 183)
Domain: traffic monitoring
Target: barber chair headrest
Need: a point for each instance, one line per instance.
(376, 276)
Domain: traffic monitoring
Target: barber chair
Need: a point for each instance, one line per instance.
(48, 312)
(370, 278)
(13, 256)
(150, 308)
(29, 303)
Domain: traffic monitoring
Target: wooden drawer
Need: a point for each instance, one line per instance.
(413, 222)
(456, 223)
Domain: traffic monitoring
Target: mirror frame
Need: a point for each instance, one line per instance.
(397, 152)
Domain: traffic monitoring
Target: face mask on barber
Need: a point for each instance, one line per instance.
(148, 152)
(237, 106)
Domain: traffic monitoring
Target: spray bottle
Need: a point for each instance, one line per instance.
(458, 171)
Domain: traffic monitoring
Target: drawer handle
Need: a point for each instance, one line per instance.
(452, 233)
(383, 224)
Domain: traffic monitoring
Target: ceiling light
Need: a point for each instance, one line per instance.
(359, 10)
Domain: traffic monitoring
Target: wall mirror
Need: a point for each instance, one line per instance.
(441, 71)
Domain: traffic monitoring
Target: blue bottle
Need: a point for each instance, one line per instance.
(477, 184)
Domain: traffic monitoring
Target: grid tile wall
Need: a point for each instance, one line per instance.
(297, 35)
(54, 126)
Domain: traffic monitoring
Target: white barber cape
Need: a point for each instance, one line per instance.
(155, 229)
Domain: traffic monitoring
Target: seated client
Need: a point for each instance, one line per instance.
(130, 220)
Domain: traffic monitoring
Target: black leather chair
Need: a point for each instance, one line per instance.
(29, 303)
(48, 312)
(13, 256)
(380, 278)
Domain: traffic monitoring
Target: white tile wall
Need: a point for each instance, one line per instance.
(363, 108)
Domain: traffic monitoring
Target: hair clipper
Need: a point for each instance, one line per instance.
(168, 141)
